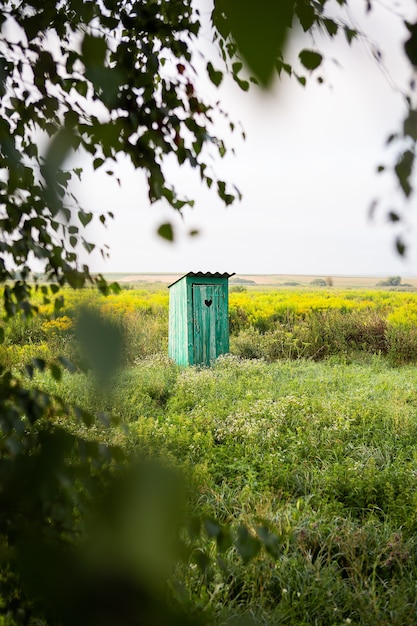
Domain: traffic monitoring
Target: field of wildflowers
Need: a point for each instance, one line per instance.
(300, 461)
(317, 324)
(271, 324)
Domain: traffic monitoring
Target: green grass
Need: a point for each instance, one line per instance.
(300, 472)
(321, 455)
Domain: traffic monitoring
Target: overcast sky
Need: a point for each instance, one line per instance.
(306, 172)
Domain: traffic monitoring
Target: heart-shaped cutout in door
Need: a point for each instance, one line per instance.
(208, 302)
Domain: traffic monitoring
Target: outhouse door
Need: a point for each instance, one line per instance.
(210, 336)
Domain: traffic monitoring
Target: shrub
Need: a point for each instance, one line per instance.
(238, 319)
(333, 332)
(402, 344)
(248, 344)
(284, 344)
(319, 282)
(391, 281)
(242, 281)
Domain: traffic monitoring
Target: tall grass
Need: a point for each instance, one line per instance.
(284, 324)
(304, 444)
(321, 455)
(318, 460)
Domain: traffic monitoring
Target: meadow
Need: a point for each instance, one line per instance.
(298, 449)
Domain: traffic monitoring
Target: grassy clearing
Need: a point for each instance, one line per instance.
(315, 458)
(323, 456)
(320, 455)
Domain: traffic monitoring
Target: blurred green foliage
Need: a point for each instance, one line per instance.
(90, 532)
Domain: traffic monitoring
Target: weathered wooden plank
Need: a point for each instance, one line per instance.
(199, 324)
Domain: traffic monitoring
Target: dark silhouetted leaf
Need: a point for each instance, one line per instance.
(215, 76)
(166, 231)
(306, 14)
(403, 170)
(260, 34)
(393, 216)
(310, 59)
(331, 27)
(246, 545)
(410, 45)
(56, 372)
(400, 246)
(39, 364)
(202, 560)
(85, 218)
(29, 370)
(350, 34)
(94, 50)
(410, 124)
(270, 541)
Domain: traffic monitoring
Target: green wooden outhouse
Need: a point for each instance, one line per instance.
(198, 318)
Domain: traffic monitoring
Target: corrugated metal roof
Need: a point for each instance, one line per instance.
(204, 275)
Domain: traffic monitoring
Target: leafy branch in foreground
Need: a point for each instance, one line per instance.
(107, 79)
(80, 523)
